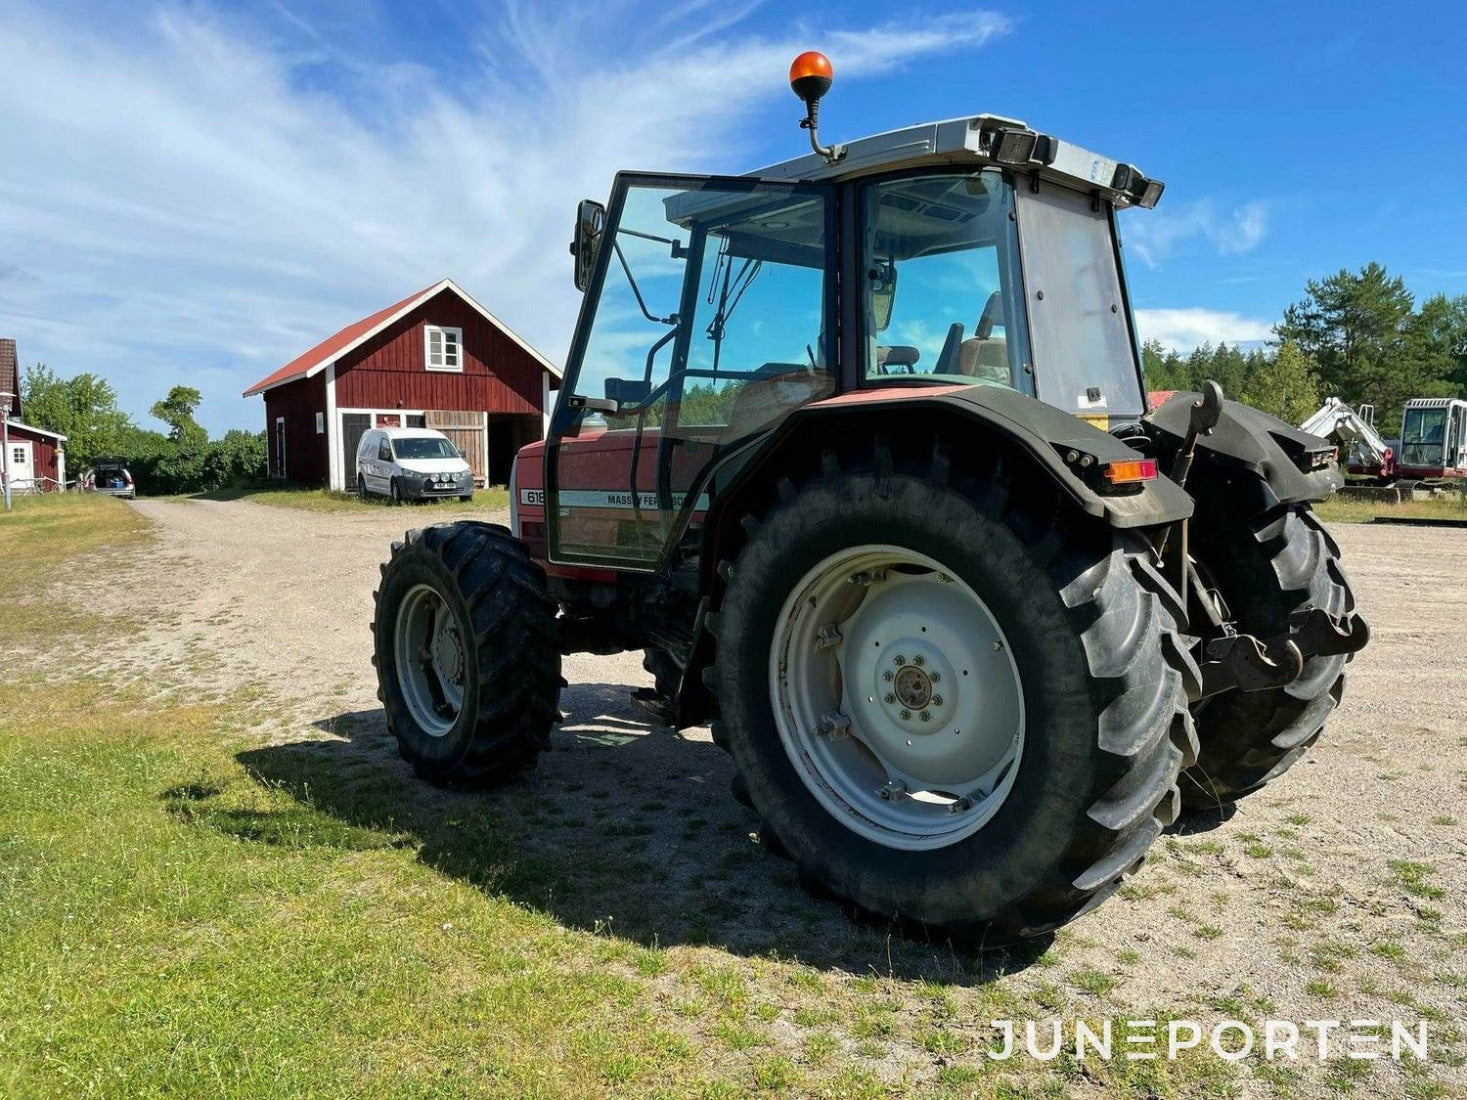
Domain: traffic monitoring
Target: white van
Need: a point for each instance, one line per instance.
(411, 464)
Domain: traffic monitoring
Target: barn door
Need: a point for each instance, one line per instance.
(467, 432)
(279, 456)
(353, 426)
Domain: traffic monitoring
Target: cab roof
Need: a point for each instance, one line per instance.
(977, 140)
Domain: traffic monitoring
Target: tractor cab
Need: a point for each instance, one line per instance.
(975, 252)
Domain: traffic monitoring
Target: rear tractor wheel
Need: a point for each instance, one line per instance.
(468, 663)
(972, 732)
(1265, 571)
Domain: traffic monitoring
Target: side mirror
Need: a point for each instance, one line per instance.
(628, 391)
(883, 293)
(590, 225)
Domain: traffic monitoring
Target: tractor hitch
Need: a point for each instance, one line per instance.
(1242, 662)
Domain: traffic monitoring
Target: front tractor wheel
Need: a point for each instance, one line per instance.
(468, 665)
(966, 722)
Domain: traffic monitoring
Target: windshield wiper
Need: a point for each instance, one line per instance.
(728, 298)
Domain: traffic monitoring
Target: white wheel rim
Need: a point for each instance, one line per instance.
(896, 697)
(430, 660)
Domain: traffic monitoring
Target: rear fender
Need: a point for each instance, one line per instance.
(968, 416)
(1287, 465)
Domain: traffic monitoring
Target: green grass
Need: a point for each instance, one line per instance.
(324, 500)
(1412, 878)
(1345, 510)
(39, 540)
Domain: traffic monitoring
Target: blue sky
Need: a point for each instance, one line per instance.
(194, 193)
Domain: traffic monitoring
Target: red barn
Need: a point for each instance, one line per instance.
(437, 359)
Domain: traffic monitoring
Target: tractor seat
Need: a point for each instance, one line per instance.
(984, 355)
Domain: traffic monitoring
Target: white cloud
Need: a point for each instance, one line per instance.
(1185, 329)
(195, 201)
(1158, 233)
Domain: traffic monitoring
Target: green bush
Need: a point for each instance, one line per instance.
(161, 466)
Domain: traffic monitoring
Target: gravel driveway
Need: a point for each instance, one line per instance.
(1289, 898)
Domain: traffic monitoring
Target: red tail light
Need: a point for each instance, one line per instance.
(1121, 473)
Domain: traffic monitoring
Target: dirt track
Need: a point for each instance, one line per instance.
(1295, 888)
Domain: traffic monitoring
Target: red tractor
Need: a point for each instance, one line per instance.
(974, 625)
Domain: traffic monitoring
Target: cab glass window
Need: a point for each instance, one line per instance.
(711, 318)
(943, 287)
(1423, 433)
(707, 321)
(1084, 354)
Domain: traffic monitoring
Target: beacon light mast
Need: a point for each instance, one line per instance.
(811, 76)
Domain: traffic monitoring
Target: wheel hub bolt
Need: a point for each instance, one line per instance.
(934, 676)
(886, 675)
(937, 700)
(890, 698)
(906, 714)
(998, 647)
(919, 660)
(925, 716)
(898, 660)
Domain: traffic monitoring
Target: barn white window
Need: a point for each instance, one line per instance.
(444, 347)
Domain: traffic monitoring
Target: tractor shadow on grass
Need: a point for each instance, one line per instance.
(625, 829)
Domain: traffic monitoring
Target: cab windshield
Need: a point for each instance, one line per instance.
(424, 447)
(1423, 434)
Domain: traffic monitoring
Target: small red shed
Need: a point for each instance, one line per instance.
(34, 459)
(436, 359)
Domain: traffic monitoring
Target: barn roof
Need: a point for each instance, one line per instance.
(357, 333)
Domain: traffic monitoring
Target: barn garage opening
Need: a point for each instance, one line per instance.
(507, 434)
(353, 427)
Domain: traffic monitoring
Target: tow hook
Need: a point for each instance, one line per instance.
(1242, 662)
